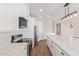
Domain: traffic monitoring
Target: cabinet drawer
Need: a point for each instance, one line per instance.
(62, 53)
(57, 51)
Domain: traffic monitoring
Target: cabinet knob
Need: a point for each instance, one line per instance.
(62, 53)
(24, 47)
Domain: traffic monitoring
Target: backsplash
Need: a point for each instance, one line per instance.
(5, 37)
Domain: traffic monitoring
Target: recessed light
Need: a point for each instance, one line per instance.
(41, 10)
(40, 16)
(57, 17)
(67, 17)
(71, 16)
(75, 14)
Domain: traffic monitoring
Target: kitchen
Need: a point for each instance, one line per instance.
(13, 28)
(60, 29)
(23, 25)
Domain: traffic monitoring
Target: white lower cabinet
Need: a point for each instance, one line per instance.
(23, 52)
(49, 43)
(55, 49)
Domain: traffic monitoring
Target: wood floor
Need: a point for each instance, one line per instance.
(41, 49)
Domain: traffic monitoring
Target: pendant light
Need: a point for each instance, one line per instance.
(67, 14)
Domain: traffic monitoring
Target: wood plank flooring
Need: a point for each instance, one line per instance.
(41, 49)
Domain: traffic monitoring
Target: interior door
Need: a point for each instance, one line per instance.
(58, 29)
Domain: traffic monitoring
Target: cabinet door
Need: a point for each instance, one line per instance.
(53, 48)
(57, 51)
(23, 52)
(49, 43)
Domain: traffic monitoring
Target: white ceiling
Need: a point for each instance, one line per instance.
(51, 11)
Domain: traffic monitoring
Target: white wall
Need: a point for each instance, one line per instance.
(44, 27)
(65, 30)
(39, 24)
(69, 32)
(30, 31)
(48, 26)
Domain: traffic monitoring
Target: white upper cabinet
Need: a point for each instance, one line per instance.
(5, 17)
(10, 13)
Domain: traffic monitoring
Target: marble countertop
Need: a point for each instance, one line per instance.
(69, 45)
(11, 49)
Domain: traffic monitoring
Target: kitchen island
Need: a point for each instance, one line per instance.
(63, 46)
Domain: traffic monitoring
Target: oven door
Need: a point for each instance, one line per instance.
(29, 48)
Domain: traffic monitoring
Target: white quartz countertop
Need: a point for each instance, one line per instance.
(11, 49)
(69, 45)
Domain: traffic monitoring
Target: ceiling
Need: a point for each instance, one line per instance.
(50, 11)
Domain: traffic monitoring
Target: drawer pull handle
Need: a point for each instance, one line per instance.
(25, 48)
(62, 53)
